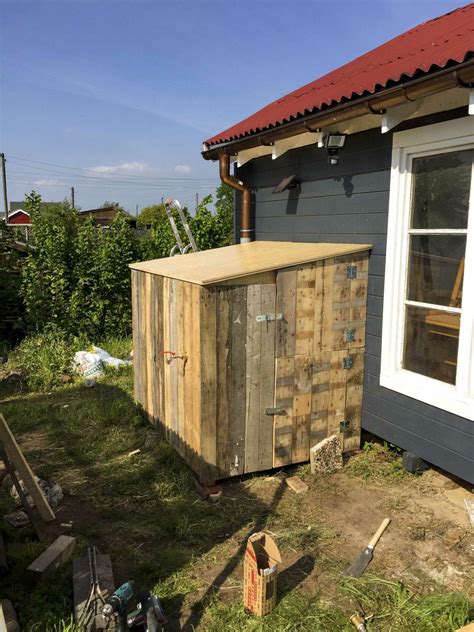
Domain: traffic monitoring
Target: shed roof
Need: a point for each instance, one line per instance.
(430, 46)
(210, 267)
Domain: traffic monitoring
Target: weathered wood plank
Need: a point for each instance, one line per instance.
(135, 280)
(143, 343)
(15, 455)
(337, 392)
(167, 382)
(286, 305)
(224, 377)
(323, 339)
(208, 456)
(260, 377)
(283, 424)
(267, 379)
(358, 301)
(320, 392)
(341, 298)
(301, 408)
(237, 390)
(158, 345)
(195, 370)
(185, 372)
(254, 346)
(353, 406)
(305, 292)
(57, 554)
(148, 346)
(173, 366)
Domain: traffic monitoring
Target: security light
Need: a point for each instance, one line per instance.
(287, 184)
(333, 143)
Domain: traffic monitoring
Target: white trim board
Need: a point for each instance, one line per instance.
(458, 399)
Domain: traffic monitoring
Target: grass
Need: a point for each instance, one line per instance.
(144, 512)
(376, 461)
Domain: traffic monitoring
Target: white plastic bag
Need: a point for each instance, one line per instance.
(87, 364)
(108, 359)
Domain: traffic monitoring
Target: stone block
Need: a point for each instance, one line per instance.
(326, 456)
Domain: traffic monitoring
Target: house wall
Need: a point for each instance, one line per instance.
(349, 203)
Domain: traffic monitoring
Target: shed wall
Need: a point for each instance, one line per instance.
(349, 203)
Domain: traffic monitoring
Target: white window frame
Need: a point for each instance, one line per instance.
(459, 398)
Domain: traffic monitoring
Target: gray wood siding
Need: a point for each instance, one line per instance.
(349, 203)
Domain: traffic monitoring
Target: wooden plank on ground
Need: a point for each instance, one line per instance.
(283, 424)
(81, 581)
(301, 408)
(26, 474)
(296, 484)
(305, 292)
(8, 620)
(286, 305)
(57, 554)
(208, 386)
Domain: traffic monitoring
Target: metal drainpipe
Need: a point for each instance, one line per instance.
(224, 172)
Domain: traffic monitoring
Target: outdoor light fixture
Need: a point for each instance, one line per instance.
(333, 143)
(287, 184)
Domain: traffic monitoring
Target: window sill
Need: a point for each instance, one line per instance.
(431, 392)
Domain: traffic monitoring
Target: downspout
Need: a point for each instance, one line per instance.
(224, 172)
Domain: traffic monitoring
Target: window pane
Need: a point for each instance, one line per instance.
(431, 343)
(436, 267)
(441, 185)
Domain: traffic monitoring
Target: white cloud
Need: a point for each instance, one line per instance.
(47, 182)
(128, 167)
(183, 169)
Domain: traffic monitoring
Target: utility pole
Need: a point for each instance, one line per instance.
(197, 201)
(5, 198)
(73, 198)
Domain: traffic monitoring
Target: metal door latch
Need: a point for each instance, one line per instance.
(275, 411)
(351, 272)
(261, 318)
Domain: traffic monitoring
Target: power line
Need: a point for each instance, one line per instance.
(104, 175)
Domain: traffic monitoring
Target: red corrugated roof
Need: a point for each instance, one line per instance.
(429, 46)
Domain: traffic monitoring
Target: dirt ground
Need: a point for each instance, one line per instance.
(429, 545)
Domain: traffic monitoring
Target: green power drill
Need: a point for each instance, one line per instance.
(147, 615)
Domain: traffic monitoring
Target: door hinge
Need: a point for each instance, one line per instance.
(349, 335)
(347, 362)
(261, 318)
(275, 411)
(351, 272)
(344, 425)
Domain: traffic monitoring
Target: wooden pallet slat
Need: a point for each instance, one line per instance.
(237, 387)
(283, 424)
(286, 305)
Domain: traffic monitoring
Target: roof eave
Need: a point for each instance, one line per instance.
(459, 74)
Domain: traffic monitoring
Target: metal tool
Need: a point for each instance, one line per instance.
(358, 622)
(95, 600)
(361, 562)
(118, 604)
(170, 206)
(149, 614)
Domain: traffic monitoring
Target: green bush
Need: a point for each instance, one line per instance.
(46, 358)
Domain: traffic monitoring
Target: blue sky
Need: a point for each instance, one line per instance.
(117, 96)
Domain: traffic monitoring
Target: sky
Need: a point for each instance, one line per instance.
(115, 97)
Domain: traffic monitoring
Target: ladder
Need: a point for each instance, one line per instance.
(179, 246)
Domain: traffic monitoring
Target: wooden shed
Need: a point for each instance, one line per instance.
(249, 355)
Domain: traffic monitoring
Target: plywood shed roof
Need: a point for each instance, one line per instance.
(210, 267)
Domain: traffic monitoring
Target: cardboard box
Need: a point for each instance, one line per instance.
(260, 574)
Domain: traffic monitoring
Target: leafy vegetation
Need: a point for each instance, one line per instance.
(11, 316)
(378, 462)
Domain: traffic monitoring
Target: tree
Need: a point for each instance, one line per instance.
(151, 215)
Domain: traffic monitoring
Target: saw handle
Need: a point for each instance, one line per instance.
(378, 533)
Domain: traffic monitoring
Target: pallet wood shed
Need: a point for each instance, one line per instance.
(249, 355)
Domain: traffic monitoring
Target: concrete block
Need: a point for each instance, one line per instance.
(413, 463)
(326, 456)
